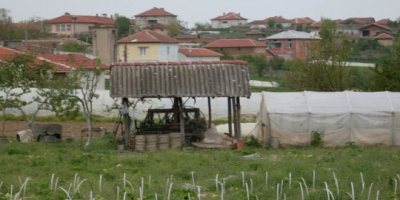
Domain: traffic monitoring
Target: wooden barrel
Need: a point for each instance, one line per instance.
(163, 141)
(151, 142)
(175, 140)
(140, 143)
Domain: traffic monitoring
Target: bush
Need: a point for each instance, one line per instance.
(316, 140)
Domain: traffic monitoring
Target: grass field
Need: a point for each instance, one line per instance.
(67, 171)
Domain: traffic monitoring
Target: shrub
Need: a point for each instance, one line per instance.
(316, 140)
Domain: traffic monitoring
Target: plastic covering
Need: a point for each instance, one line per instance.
(361, 118)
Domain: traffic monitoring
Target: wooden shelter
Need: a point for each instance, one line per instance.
(176, 80)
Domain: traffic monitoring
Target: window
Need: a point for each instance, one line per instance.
(58, 28)
(142, 51)
(69, 27)
(365, 33)
(275, 45)
(224, 22)
(63, 27)
(289, 45)
(167, 50)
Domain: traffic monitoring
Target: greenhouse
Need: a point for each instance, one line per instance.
(340, 118)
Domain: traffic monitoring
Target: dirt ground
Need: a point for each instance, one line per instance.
(68, 128)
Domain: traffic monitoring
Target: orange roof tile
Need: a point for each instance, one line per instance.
(384, 36)
(306, 20)
(278, 19)
(235, 43)
(71, 60)
(383, 21)
(68, 18)
(198, 52)
(229, 16)
(361, 20)
(155, 12)
(147, 36)
(378, 25)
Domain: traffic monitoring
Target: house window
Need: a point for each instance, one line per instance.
(365, 33)
(167, 50)
(289, 45)
(63, 27)
(142, 51)
(275, 45)
(224, 22)
(58, 28)
(238, 48)
(69, 27)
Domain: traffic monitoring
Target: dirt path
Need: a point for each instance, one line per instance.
(69, 128)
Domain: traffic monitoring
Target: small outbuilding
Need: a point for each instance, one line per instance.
(178, 80)
(360, 118)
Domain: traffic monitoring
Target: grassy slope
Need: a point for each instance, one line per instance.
(378, 164)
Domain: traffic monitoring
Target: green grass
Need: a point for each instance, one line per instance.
(39, 161)
(53, 118)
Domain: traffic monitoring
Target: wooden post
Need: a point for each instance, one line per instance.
(238, 115)
(126, 121)
(209, 112)
(234, 116)
(230, 116)
(181, 120)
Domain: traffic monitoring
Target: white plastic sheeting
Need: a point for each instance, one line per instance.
(219, 106)
(362, 118)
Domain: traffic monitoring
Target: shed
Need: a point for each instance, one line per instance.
(361, 118)
(178, 80)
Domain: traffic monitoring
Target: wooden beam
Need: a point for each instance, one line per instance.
(126, 122)
(181, 120)
(209, 112)
(230, 116)
(238, 113)
(234, 116)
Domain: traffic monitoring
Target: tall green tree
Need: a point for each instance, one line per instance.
(258, 63)
(271, 23)
(325, 68)
(387, 70)
(174, 28)
(123, 25)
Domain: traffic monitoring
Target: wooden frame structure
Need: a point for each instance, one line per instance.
(183, 79)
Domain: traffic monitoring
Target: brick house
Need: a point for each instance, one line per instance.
(289, 45)
(154, 16)
(147, 45)
(384, 39)
(237, 47)
(372, 30)
(72, 25)
(228, 20)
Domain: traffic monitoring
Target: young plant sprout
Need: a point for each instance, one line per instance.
(370, 189)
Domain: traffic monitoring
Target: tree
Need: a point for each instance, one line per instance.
(387, 70)
(325, 66)
(79, 89)
(259, 63)
(71, 46)
(14, 82)
(271, 23)
(174, 28)
(202, 26)
(5, 24)
(123, 25)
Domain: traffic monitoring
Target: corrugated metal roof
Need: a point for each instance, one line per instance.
(180, 79)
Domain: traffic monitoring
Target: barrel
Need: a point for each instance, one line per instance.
(175, 139)
(163, 141)
(151, 142)
(140, 143)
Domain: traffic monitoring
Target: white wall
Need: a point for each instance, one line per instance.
(168, 55)
(183, 57)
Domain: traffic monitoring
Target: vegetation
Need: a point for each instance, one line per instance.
(325, 66)
(54, 171)
(123, 25)
(388, 71)
(71, 46)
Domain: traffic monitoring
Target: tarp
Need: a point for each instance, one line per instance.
(361, 118)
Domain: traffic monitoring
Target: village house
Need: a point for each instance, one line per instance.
(237, 47)
(228, 20)
(384, 39)
(154, 16)
(147, 46)
(63, 63)
(189, 53)
(374, 29)
(73, 25)
(289, 45)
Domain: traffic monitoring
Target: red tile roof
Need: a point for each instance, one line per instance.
(361, 20)
(257, 22)
(68, 18)
(278, 19)
(235, 43)
(383, 21)
(61, 62)
(155, 12)
(229, 16)
(72, 60)
(197, 40)
(378, 25)
(306, 20)
(198, 52)
(316, 25)
(147, 36)
(384, 36)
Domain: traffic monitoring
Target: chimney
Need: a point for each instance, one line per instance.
(104, 15)
(67, 13)
(97, 15)
(162, 9)
(223, 14)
